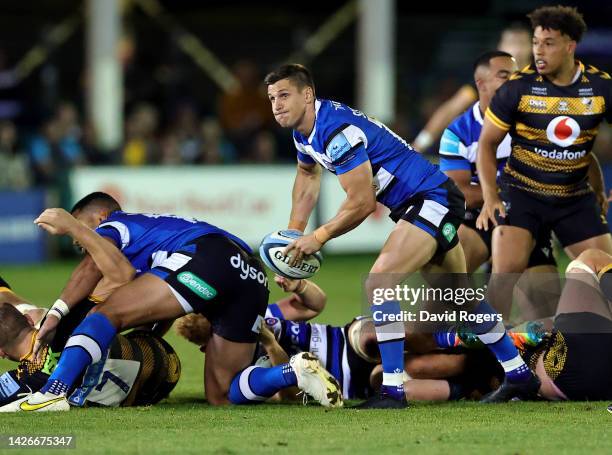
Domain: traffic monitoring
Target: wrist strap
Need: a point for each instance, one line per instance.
(59, 309)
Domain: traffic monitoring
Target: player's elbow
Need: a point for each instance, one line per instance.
(367, 206)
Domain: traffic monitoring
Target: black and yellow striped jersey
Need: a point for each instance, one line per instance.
(139, 369)
(553, 129)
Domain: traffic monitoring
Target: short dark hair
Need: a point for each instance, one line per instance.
(485, 58)
(97, 199)
(12, 323)
(565, 19)
(298, 74)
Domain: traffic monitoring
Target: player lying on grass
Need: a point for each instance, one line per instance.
(442, 365)
(139, 369)
(182, 266)
(575, 363)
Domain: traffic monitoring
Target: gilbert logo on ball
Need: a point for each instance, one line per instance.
(562, 131)
(271, 252)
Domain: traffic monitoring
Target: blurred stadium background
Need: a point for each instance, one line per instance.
(161, 103)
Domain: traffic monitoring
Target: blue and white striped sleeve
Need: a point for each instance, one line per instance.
(115, 231)
(451, 158)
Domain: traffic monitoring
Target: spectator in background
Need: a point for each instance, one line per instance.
(246, 110)
(14, 167)
(52, 157)
(186, 135)
(141, 144)
(215, 148)
(264, 148)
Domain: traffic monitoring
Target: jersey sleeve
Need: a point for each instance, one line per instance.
(451, 156)
(504, 105)
(346, 148)
(301, 153)
(116, 231)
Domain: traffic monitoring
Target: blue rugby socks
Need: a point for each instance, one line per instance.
(88, 343)
(492, 333)
(256, 384)
(390, 334)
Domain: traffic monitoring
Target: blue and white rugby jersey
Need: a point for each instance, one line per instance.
(329, 343)
(343, 138)
(459, 144)
(148, 239)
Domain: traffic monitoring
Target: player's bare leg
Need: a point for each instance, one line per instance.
(537, 292)
(144, 300)
(224, 360)
(407, 249)
(474, 248)
(511, 247)
(601, 242)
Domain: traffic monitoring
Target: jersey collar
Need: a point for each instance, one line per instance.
(314, 127)
(476, 112)
(579, 72)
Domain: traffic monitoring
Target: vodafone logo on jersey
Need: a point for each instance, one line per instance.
(563, 131)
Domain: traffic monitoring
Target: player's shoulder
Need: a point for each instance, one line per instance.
(332, 116)
(593, 74)
(464, 124)
(339, 126)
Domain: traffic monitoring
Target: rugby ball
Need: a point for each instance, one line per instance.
(271, 252)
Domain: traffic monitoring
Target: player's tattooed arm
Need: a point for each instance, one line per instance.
(486, 164)
(596, 180)
(305, 194)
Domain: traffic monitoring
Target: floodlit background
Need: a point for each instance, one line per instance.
(169, 94)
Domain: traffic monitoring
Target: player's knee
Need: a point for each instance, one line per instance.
(594, 258)
(510, 264)
(108, 311)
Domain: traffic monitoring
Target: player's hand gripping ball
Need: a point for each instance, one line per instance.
(271, 252)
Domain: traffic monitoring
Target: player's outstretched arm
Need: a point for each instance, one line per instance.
(446, 112)
(305, 194)
(113, 265)
(306, 302)
(486, 164)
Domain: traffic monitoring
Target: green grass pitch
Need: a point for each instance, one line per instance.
(186, 424)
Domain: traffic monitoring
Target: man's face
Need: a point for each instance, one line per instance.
(498, 72)
(288, 102)
(551, 49)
